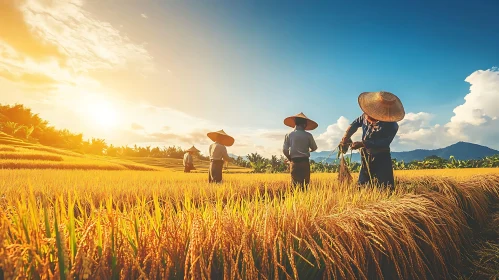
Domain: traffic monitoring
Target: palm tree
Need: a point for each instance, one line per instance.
(11, 128)
(26, 131)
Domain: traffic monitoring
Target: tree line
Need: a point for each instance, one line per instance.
(259, 164)
(20, 122)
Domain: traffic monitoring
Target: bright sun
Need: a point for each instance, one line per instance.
(103, 114)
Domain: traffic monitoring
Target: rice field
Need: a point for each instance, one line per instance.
(75, 224)
(16, 154)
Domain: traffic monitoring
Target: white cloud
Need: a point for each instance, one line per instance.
(62, 44)
(415, 131)
(329, 139)
(481, 104)
(476, 120)
(144, 16)
(87, 42)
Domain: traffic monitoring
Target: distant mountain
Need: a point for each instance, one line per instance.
(460, 150)
(235, 156)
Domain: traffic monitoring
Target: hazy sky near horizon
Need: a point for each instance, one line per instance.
(167, 72)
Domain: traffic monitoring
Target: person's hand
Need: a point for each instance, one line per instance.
(356, 145)
(344, 145)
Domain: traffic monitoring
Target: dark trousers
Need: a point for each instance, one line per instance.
(376, 169)
(188, 168)
(215, 171)
(300, 172)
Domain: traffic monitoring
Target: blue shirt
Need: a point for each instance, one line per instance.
(298, 144)
(376, 136)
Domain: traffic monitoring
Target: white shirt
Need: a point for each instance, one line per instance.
(187, 159)
(218, 152)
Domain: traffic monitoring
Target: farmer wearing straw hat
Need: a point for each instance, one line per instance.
(382, 110)
(188, 161)
(297, 147)
(218, 154)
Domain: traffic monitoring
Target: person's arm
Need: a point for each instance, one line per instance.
(354, 126)
(388, 133)
(346, 141)
(312, 144)
(225, 155)
(285, 147)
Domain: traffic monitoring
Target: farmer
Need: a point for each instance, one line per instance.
(188, 161)
(218, 154)
(297, 147)
(382, 110)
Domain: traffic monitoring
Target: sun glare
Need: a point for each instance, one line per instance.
(103, 114)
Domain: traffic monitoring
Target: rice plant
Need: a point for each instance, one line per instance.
(168, 225)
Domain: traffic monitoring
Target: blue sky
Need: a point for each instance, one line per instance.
(246, 65)
(317, 56)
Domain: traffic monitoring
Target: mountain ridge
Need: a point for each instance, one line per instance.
(460, 150)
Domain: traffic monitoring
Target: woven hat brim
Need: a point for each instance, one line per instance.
(223, 139)
(383, 112)
(290, 121)
(193, 150)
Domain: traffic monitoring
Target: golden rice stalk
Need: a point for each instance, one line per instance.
(344, 176)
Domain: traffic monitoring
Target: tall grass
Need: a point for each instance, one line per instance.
(166, 225)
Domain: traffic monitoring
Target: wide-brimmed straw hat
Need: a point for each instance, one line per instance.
(290, 121)
(193, 149)
(381, 105)
(221, 137)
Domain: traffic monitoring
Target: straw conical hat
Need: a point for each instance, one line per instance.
(221, 137)
(381, 105)
(193, 149)
(290, 121)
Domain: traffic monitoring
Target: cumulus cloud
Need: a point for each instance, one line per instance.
(415, 131)
(481, 105)
(329, 139)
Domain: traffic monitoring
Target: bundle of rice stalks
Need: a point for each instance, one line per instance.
(344, 176)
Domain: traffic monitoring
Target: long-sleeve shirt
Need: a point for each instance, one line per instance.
(218, 152)
(376, 136)
(188, 159)
(298, 144)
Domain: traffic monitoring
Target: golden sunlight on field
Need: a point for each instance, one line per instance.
(171, 225)
(266, 140)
